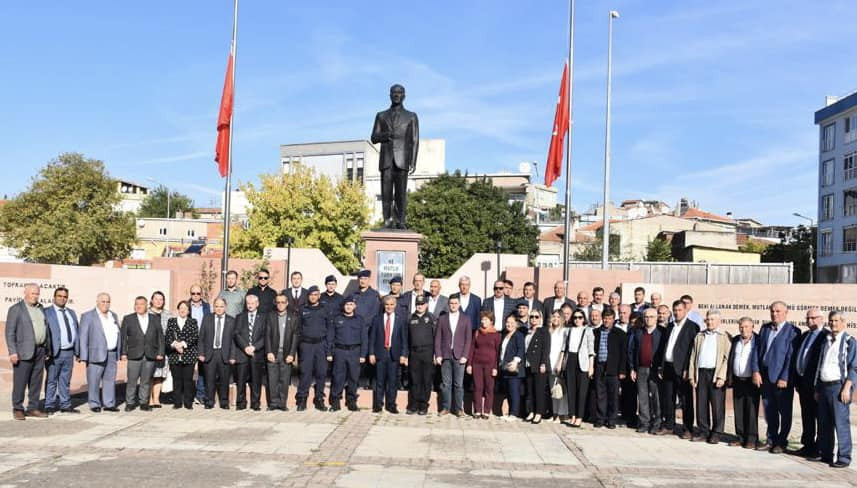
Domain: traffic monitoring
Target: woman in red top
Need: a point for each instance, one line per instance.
(482, 364)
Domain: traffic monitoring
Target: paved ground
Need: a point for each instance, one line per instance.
(228, 448)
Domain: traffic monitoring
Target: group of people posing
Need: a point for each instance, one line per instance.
(558, 359)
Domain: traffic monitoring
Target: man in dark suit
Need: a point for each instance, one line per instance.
(776, 347)
(143, 338)
(743, 363)
(673, 372)
(533, 303)
(281, 344)
(388, 347)
(407, 302)
(558, 299)
(250, 353)
(217, 353)
(611, 363)
(62, 322)
(199, 308)
(469, 303)
(296, 293)
(807, 348)
(500, 305)
(28, 340)
(398, 132)
(263, 291)
(645, 354)
(452, 343)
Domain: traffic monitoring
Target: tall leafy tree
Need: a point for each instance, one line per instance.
(658, 250)
(69, 215)
(796, 249)
(155, 204)
(313, 210)
(459, 219)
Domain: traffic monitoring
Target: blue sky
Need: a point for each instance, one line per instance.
(711, 100)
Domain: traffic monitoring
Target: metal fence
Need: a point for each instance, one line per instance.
(701, 273)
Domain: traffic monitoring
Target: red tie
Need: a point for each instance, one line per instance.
(387, 331)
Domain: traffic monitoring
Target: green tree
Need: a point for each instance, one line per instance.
(796, 250)
(659, 249)
(155, 204)
(754, 246)
(69, 215)
(313, 210)
(591, 251)
(459, 219)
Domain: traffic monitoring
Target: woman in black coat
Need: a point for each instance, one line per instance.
(538, 346)
(181, 338)
(511, 368)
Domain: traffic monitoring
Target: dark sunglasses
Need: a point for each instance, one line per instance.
(499, 288)
(195, 294)
(263, 277)
(581, 317)
(535, 316)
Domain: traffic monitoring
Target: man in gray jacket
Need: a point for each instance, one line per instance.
(28, 339)
(100, 348)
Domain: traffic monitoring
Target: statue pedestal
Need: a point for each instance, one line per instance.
(391, 253)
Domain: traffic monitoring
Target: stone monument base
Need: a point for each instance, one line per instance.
(391, 253)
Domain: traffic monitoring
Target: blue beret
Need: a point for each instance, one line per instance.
(364, 273)
(329, 279)
(524, 302)
(312, 289)
(396, 279)
(349, 298)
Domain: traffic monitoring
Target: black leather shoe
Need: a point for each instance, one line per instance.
(209, 407)
(255, 409)
(284, 409)
(840, 464)
(111, 409)
(128, 408)
(145, 408)
(70, 410)
(225, 407)
(95, 409)
(422, 412)
(272, 408)
(410, 411)
(50, 411)
(393, 410)
(301, 407)
(376, 409)
(334, 407)
(352, 407)
(241, 407)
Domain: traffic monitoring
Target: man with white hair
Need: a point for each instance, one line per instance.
(707, 372)
(100, 348)
(834, 384)
(28, 339)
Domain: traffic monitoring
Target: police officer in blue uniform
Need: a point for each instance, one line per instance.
(350, 340)
(368, 306)
(330, 299)
(313, 350)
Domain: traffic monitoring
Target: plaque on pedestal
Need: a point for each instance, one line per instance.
(390, 254)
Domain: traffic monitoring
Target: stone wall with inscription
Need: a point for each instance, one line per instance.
(736, 301)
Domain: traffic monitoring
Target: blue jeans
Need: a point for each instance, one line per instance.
(833, 416)
(59, 379)
(452, 383)
(777, 403)
(513, 394)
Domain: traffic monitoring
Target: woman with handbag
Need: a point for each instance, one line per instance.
(182, 338)
(482, 364)
(559, 402)
(512, 354)
(538, 346)
(578, 363)
(157, 306)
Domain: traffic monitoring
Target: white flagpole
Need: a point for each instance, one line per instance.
(568, 226)
(228, 189)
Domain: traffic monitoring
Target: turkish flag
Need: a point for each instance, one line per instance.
(560, 127)
(224, 119)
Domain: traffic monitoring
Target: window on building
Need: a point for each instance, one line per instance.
(828, 133)
(163, 231)
(825, 245)
(191, 233)
(850, 129)
(849, 199)
(849, 239)
(848, 273)
(354, 166)
(849, 165)
(827, 173)
(827, 207)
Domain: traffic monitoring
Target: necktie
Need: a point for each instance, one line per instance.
(387, 331)
(251, 318)
(803, 350)
(295, 292)
(67, 326)
(218, 331)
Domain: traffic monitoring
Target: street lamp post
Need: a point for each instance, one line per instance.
(499, 244)
(288, 241)
(811, 247)
(605, 244)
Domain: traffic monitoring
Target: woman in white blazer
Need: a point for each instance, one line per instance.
(578, 363)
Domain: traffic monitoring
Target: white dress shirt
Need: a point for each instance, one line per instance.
(111, 330)
(741, 360)
(708, 353)
(453, 324)
(668, 354)
(197, 312)
(464, 300)
(499, 308)
(830, 362)
(576, 333)
(144, 322)
(432, 304)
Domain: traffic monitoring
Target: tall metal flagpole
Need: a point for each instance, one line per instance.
(568, 229)
(227, 199)
(605, 235)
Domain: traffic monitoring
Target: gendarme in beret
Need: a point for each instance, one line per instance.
(364, 273)
(396, 279)
(420, 300)
(312, 289)
(330, 278)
